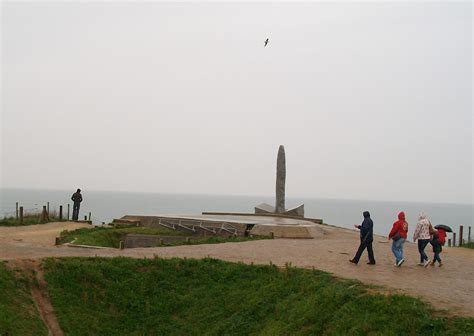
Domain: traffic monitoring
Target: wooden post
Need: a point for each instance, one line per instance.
(460, 235)
(68, 211)
(16, 210)
(449, 242)
(48, 207)
(57, 241)
(21, 215)
(469, 234)
(43, 214)
(89, 215)
(85, 218)
(454, 238)
(60, 213)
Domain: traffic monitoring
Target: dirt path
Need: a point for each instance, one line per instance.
(450, 287)
(39, 292)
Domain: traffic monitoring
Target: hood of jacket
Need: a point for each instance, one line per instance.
(401, 216)
(366, 214)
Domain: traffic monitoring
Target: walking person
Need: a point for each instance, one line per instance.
(423, 233)
(399, 234)
(366, 239)
(437, 248)
(77, 199)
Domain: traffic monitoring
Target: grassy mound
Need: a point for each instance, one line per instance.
(111, 237)
(121, 296)
(18, 314)
(30, 219)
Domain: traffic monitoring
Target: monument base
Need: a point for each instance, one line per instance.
(265, 208)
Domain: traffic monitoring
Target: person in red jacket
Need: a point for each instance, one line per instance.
(399, 234)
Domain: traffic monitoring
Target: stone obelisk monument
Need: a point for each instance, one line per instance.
(280, 181)
(280, 192)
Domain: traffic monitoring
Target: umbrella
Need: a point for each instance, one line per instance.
(443, 227)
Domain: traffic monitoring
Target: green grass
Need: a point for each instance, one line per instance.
(469, 245)
(122, 296)
(29, 219)
(111, 237)
(18, 314)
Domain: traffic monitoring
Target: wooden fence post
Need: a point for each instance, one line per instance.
(43, 214)
(21, 215)
(469, 235)
(60, 213)
(68, 211)
(16, 210)
(89, 215)
(460, 235)
(454, 238)
(48, 207)
(449, 242)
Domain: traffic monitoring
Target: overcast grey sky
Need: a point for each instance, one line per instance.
(371, 100)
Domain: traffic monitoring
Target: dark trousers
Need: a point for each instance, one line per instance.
(421, 249)
(436, 257)
(364, 243)
(75, 211)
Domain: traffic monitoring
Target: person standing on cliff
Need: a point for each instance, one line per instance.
(77, 199)
(366, 239)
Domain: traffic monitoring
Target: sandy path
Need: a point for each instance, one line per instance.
(450, 287)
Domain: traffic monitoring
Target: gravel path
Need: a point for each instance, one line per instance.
(450, 287)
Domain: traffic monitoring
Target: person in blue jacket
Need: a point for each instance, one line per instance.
(366, 239)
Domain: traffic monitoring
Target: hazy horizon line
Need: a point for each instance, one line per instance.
(236, 195)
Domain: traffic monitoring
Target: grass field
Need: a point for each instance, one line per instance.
(469, 245)
(121, 296)
(18, 314)
(111, 237)
(29, 219)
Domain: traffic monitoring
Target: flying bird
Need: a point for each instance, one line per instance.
(266, 42)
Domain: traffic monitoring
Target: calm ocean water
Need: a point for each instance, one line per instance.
(106, 206)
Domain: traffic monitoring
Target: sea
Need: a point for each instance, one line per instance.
(104, 206)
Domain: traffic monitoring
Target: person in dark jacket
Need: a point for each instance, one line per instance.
(366, 239)
(77, 199)
(437, 248)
